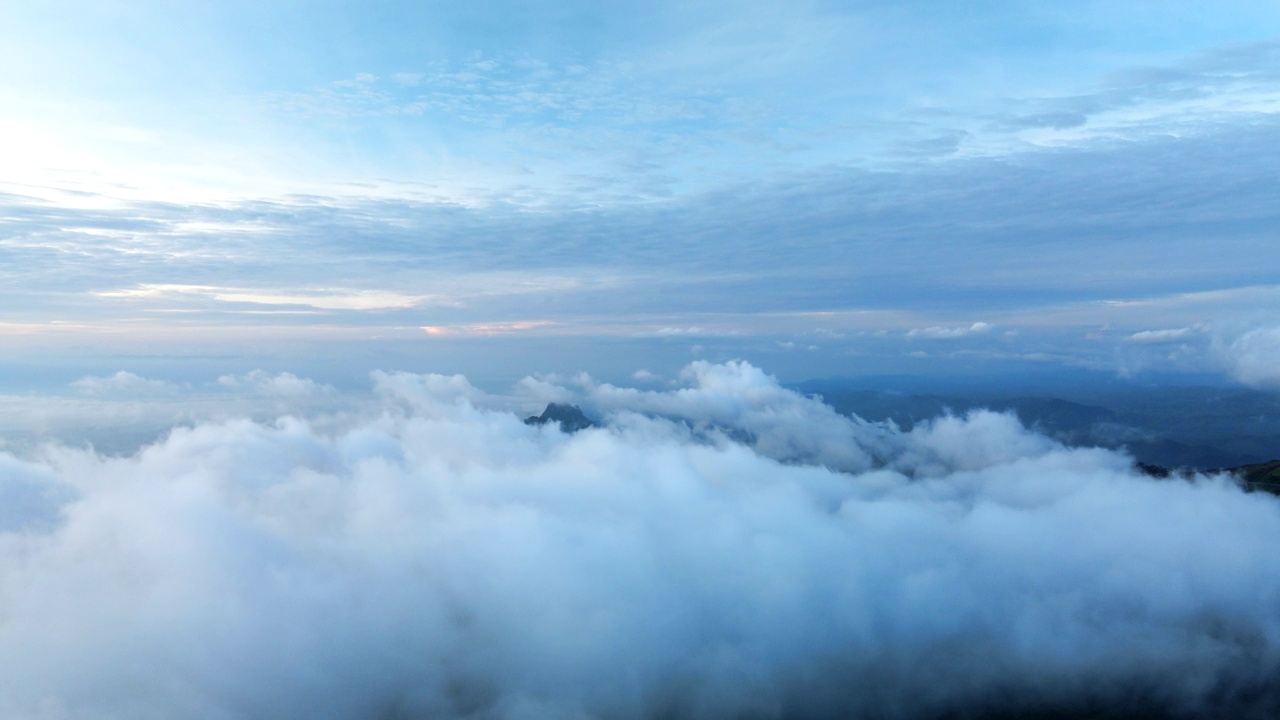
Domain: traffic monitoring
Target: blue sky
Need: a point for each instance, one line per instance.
(821, 188)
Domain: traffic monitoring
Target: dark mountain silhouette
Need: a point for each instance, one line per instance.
(570, 417)
(1257, 477)
(1264, 477)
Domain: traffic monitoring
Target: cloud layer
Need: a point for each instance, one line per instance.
(726, 549)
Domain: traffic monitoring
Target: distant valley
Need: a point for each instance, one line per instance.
(1201, 428)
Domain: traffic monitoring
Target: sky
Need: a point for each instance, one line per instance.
(823, 188)
(280, 282)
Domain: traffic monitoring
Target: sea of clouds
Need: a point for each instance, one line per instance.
(720, 548)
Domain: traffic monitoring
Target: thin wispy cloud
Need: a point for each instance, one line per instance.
(950, 333)
(320, 298)
(494, 328)
(124, 383)
(283, 384)
(1163, 336)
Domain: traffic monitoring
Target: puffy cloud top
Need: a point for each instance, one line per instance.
(1255, 357)
(726, 549)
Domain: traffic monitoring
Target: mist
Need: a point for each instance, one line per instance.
(724, 547)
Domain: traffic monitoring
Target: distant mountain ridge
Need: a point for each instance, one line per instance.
(1202, 428)
(570, 417)
(1264, 477)
(1070, 422)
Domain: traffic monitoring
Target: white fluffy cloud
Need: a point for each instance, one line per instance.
(727, 549)
(1254, 357)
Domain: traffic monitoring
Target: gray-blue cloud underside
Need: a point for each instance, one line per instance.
(1038, 242)
(1164, 216)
